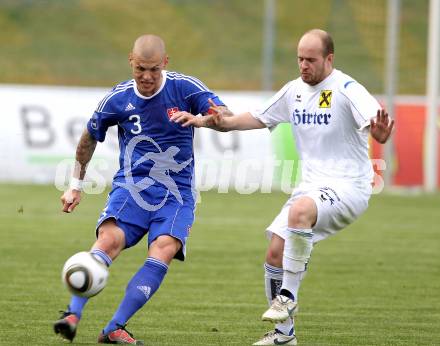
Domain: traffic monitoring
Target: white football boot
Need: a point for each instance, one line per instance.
(275, 337)
(281, 309)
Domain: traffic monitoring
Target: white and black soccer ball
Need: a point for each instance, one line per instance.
(84, 275)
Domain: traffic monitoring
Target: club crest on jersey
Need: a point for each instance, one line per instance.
(171, 111)
(325, 99)
(94, 124)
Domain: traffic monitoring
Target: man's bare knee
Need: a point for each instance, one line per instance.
(111, 238)
(164, 248)
(274, 255)
(303, 213)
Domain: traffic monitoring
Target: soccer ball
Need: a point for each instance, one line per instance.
(84, 275)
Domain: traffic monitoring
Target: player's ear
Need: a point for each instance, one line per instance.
(165, 60)
(130, 59)
(330, 58)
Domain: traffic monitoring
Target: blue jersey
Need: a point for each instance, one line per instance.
(156, 154)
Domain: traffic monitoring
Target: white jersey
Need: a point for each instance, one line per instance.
(329, 123)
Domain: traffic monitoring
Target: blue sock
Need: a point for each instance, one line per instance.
(77, 304)
(139, 290)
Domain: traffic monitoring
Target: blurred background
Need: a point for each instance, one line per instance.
(86, 43)
(234, 47)
(377, 284)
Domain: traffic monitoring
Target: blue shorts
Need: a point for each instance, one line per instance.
(173, 219)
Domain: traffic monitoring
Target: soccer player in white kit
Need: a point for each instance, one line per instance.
(331, 116)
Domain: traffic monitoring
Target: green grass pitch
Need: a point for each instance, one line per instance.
(376, 283)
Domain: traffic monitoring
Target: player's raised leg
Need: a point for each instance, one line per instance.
(140, 289)
(297, 250)
(110, 242)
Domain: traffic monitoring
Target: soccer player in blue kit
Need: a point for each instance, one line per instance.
(153, 191)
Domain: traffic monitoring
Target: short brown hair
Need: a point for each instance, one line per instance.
(328, 46)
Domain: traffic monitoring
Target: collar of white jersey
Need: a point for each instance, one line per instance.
(164, 79)
(321, 84)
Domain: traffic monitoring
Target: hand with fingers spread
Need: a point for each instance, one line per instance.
(70, 199)
(218, 113)
(381, 127)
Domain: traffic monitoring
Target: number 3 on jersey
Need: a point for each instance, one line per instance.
(137, 124)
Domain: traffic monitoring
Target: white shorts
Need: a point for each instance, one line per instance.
(338, 205)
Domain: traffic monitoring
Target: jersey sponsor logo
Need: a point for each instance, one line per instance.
(305, 118)
(163, 163)
(171, 111)
(298, 98)
(325, 99)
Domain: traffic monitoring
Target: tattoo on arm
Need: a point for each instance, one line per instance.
(84, 152)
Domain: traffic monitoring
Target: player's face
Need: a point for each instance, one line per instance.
(148, 73)
(313, 65)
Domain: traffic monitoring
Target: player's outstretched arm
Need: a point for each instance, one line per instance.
(219, 118)
(381, 127)
(84, 152)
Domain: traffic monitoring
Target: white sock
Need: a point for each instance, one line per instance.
(292, 281)
(273, 278)
(297, 250)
